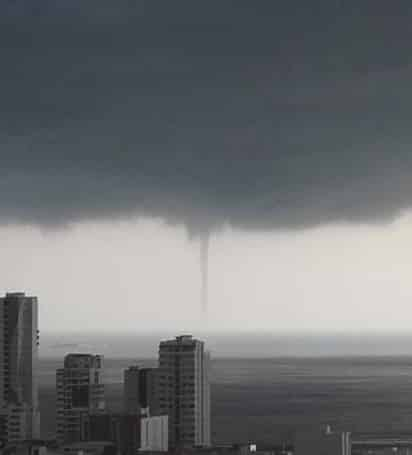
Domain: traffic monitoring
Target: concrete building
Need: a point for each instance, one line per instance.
(155, 434)
(184, 391)
(123, 430)
(79, 389)
(140, 390)
(19, 340)
(131, 395)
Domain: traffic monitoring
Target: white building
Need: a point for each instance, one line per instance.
(184, 391)
(19, 406)
(155, 434)
(80, 389)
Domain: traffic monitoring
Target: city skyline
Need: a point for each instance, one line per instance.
(163, 407)
(166, 407)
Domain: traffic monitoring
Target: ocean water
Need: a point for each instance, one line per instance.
(271, 399)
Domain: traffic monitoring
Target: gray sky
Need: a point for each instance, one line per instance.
(127, 128)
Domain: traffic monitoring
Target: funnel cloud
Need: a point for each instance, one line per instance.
(204, 270)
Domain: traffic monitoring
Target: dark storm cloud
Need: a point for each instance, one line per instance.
(259, 114)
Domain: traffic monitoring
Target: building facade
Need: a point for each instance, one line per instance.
(19, 340)
(184, 391)
(123, 430)
(79, 389)
(140, 391)
(131, 395)
(155, 434)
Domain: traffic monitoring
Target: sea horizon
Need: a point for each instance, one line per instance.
(232, 344)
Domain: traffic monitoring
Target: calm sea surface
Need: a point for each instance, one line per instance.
(269, 400)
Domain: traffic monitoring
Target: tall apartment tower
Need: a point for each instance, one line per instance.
(80, 390)
(184, 391)
(19, 340)
(140, 391)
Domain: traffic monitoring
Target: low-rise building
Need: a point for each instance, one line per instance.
(155, 434)
(122, 430)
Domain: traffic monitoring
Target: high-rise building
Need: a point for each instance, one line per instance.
(184, 391)
(140, 390)
(19, 339)
(80, 390)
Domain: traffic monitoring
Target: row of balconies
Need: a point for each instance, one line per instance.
(173, 392)
(180, 401)
(178, 404)
(177, 412)
(176, 380)
(171, 383)
(189, 347)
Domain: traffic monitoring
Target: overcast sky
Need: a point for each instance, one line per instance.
(130, 128)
